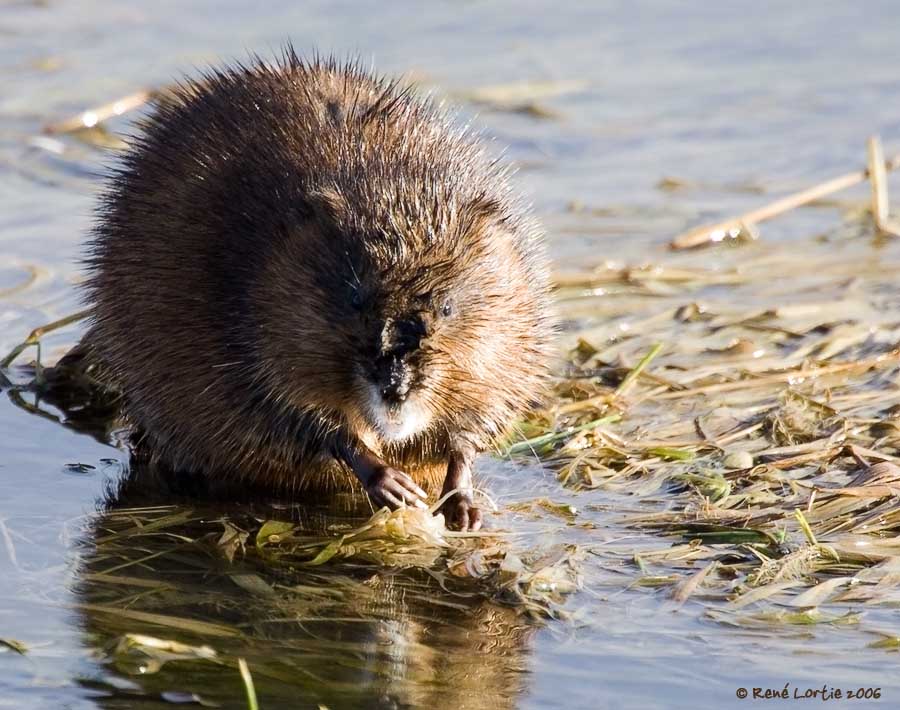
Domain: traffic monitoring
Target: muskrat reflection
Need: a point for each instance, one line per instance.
(340, 635)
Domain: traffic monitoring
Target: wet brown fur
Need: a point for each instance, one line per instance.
(256, 210)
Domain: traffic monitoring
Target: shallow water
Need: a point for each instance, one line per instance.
(726, 97)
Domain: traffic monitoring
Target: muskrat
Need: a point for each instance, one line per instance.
(300, 270)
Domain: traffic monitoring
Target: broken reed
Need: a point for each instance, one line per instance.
(744, 226)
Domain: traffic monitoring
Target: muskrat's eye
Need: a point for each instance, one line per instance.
(356, 300)
(447, 309)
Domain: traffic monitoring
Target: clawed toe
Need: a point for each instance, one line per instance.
(461, 513)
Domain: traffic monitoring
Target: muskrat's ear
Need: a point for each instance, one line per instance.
(480, 212)
(484, 207)
(329, 206)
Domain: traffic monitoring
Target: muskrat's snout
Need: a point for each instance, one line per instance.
(394, 367)
(394, 404)
(393, 378)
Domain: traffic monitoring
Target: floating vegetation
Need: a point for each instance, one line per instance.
(743, 227)
(750, 411)
(249, 688)
(404, 537)
(95, 116)
(522, 97)
(13, 645)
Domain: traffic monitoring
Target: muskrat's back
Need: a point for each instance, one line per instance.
(299, 270)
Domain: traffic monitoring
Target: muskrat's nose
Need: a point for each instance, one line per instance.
(402, 337)
(392, 377)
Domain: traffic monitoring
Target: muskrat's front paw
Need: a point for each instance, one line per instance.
(461, 513)
(393, 488)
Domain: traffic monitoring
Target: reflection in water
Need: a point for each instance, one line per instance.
(343, 635)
